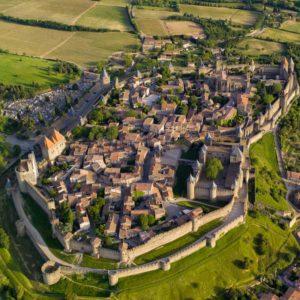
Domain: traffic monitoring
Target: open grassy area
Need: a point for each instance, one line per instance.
(191, 205)
(178, 244)
(254, 47)
(105, 16)
(25, 70)
(82, 48)
(292, 26)
(270, 189)
(281, 35)
(205, 273)
(238, 16)
(102, 263)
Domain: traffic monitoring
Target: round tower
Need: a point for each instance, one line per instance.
(51, 272)
(213, 191)
(191, 184)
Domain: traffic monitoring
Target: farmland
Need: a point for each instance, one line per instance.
(82, 48)
(25, 70)
(238, 16)
(105, 16)
(66, 11)
(280, 35)
(253, 47)
(153, 21)
(292, 26)
(183, 28)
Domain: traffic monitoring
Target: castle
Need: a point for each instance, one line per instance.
(228, 182)
(53, 145)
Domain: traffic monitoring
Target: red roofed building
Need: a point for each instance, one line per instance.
(53, 145)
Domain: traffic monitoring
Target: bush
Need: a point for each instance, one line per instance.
(4, 239)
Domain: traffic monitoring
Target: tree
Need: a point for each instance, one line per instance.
(108, 241)
(143, 219)
(268, 99)
(16, 150)
(213, 168)
(66, 215)
(4, 239)
(277, 88)
(112, 133)
(151, 220)
(95, 210)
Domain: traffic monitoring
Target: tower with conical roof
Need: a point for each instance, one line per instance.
(105, 78)
(291, 65)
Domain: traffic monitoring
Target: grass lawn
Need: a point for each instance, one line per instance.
(82, 48)
(292, 26)
(206, 208)
(254, 47)
(281, 35)
(178, 244)
(26, 70)
(205, 273)
(102, 263)
(104, 16)
(270, 189)
(63, 11)
(238, 16)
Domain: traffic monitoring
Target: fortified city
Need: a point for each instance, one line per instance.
(149, 150)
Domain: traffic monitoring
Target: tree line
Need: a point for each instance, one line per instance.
(53, 25)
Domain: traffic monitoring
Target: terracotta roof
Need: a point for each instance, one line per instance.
(57, 136)
(47, 143)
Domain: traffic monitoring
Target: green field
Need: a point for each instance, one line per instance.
(280, 35)
(270, 189)
(292, 26)
(24, 70)
(237, 16)
(255, 47)
(82, 48)
(104, 16)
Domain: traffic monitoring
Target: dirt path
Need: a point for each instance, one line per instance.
(58, 46)
(79, 16)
